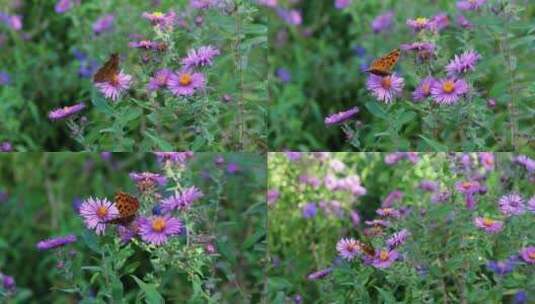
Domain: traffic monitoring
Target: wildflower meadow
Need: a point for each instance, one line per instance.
(173, 227)
(401, 228)
(404, 75)
(109, 75)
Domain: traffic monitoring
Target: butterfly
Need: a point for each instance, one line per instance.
(383, 65)
(365, 245)
(109, 71)
(128, 206)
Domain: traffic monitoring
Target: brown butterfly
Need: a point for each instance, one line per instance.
(127, 206)
(365, 245)
(383, 66)
(109, 71)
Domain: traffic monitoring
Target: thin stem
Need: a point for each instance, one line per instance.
(238, 59)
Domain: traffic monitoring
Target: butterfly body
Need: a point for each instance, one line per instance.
(383, 66)
(109, 71)
(128, 206)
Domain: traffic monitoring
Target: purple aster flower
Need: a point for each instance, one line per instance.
(440, 197)
(382, 22)
(292, 17)
(385, 88)
(182, 200)
(66, 112)
(6, 146)
(127, 233)
(388, 212)
(393, 196)
(348, 248)
(511, 204)
(528, 254)
(448, 91)
(4, 78)
(96, 212)
(332, 208)
(156, 229)
(488, 225)
(203, 4)
(419, 24)
(104, 23)
(186, 83)
(312, 181)
(341, 117)
(56, 242)
(423, 90)
(272, 196)
(531, 204)
(268, 3)
(203, 56)
(487, 160)
(352, 184)
(233, 168)
(467, 187)
(377, 223)
(174, 158)
(293, 156)
(147, 180)
(428, 185)
(63, 6)
(320, 274)
(355, 218)
(14, 22)
(309, 210)
(112, 89)
(526, 162)
(384, 258)
(520, 297)
(160, 79)
(397, 239)
(142, 44)
(470, 5)
(161, 20)
(464, 23)
(440, 21)
(502, 267)
(8, 282)
(331, 182)
(337, 165)
(463, 63)
(423, 50)
(284, 75)
(341, 4)
(393, 158)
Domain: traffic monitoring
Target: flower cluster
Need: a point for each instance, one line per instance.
(154, 229)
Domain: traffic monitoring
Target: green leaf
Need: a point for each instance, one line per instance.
(152, 296)
(161, 144)
(91, 241)
(376, 109)
(101, 104)
(436, 146)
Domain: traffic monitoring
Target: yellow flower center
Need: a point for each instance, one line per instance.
(448, 86)
(487, 222)
(162, 78)
(102, 212)
(383, 255)
(531, 255)
(157, 14)
(387, 82)
(185, 79)
(158, 224)
(421, 21)
(489, 161)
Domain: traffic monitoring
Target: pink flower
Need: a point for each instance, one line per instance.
(161, 20)
(348, 248)
(157, 229)
(528, 254)
(488, 225)
(96, 212)
(186, 83)
(384, 258)
(385, 88)
(112, 89)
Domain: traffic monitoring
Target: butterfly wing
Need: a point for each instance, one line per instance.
(127, 206)
(365, 245)
(384, 65)
(107, 72)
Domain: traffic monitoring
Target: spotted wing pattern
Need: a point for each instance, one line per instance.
(108, 71)
(128, 206)
(383, 66)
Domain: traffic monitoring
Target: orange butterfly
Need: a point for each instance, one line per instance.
(383, 66)
(127, 206)
(109, 71)
(365, 245)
